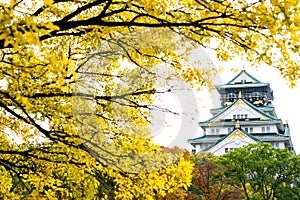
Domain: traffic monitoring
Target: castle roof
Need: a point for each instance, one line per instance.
(241, 80)
(236, 131)
(243, 102)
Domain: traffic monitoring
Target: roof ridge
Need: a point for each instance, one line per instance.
(243, 71)
(248, 103)
(225, 136)
(258, 110)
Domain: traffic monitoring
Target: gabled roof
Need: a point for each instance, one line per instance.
(243, 79)
(246, 75)
(259, 110)
(235, 131)
(267, 116)
(269, 107)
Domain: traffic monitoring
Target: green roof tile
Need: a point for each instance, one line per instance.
(224, 137)
(242, 85)
(241, 72)
(249, 104)
(247, 122)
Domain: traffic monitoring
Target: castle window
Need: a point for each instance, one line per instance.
(246, 129)
(217, 131)
(251, 130)
(229, 149)
(242, 116)
(275, 144)
(212, 131)
(262, 129)
(268, 129)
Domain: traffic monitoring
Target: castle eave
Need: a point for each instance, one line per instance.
(242, 85)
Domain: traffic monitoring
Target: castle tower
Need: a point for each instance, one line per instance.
(246, 116)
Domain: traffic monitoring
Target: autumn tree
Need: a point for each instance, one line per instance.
(78, 79)
(264, 172)
(209, 180)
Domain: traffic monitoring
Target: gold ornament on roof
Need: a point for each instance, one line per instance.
(240, 95)
(237, 124)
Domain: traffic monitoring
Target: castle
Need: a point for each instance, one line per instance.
(246, 116)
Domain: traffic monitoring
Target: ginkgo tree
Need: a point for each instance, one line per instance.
(78, 79)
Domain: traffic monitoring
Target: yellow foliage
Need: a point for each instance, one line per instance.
(79, 78)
